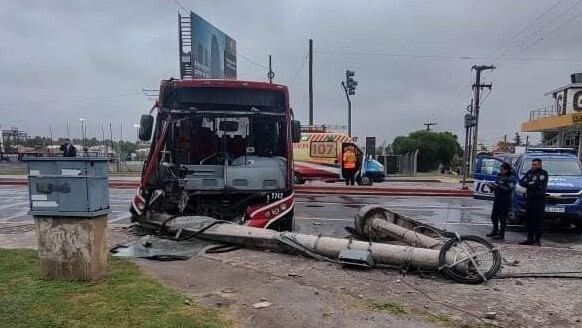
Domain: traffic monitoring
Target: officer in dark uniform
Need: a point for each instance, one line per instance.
(502, 188)
(536, 182)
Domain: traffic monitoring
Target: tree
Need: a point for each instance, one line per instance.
(434, 148)
(517, 139)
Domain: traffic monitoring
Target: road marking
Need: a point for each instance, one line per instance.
(460, 207)
(13, 205)
(14, 216)
(324, 219)
(126, 215)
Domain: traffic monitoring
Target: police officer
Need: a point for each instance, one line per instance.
(536, 182)
(502, 188)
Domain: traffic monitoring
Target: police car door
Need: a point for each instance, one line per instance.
(486, 170)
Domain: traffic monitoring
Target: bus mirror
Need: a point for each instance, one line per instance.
(146, 123)
(296, 131)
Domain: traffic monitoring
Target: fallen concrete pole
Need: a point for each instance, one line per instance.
(376, 223)
(327, 247)
(379, 224)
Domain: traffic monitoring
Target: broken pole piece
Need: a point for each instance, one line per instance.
(378, 224)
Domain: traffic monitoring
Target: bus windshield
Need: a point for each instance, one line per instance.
(220, 138)
(563, 167)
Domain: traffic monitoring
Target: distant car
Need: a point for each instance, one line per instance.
(563, 198)
(374, 170)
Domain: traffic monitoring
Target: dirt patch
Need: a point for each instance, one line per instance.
(306, 293)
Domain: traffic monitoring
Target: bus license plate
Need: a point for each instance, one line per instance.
(555, 209)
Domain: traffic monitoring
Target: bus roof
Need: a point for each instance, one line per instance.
(215, 83)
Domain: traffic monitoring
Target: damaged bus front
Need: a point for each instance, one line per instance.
(221, 149)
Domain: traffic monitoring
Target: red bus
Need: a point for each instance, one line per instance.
(220, 148)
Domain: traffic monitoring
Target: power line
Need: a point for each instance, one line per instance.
(536, 32)
(524, 28)
(445, 57)
(251, 61)
(565, 23)
(301, 67)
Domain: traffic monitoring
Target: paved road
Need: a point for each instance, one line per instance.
(329, 214)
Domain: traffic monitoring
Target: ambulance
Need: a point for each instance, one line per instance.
(318, 156)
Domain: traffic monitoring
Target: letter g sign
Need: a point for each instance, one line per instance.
(577, 100)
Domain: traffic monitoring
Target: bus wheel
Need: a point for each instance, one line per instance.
(298, 179)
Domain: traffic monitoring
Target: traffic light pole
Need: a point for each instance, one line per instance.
(349, 109)
(349, 86)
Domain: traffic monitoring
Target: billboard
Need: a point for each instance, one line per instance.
(213, 52)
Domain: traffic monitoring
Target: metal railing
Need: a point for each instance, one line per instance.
(543, 112)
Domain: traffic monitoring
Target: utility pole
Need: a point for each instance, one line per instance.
(469, 123)
(270, 74)
(310, 81)
(477, 89)
(349, 86)
(429, 124)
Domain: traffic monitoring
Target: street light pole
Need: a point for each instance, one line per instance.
(83, 129)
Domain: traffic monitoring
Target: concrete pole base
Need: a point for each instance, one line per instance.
(72, 248)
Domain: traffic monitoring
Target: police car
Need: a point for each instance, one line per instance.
(564, 192)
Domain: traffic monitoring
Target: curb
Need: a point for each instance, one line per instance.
(316, 190)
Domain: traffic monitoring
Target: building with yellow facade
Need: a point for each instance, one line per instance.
(561, 122)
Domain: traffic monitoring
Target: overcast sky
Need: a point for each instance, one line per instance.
(65, 60)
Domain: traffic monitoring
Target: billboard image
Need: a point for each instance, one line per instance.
(213, 52)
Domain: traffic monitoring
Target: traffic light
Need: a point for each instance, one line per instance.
(350, 82)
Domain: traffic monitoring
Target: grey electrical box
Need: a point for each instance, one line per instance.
(68, 186)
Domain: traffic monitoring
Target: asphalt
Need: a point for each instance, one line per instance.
(329, 214)
(398, 187)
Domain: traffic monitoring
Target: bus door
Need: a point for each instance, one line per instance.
(486, 170)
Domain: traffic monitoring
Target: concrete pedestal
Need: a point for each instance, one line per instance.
(72, 248)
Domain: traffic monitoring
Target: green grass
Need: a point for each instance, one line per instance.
(390, 307)
(127, 297)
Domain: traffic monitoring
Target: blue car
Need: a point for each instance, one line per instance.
(564, 193)
(374, 170)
